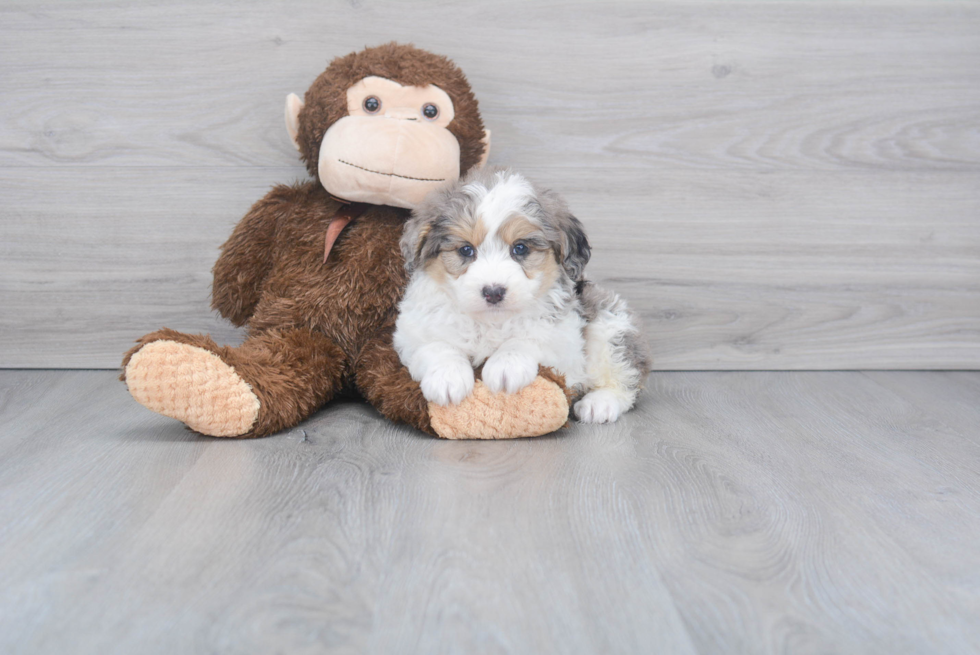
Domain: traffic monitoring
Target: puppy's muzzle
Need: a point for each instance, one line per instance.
(494, 294)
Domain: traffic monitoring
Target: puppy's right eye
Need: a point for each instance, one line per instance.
(466, 252)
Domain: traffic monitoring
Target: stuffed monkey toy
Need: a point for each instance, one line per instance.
(314, 271)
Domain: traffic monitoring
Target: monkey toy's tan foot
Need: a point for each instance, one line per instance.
(537, 409)
(193, 385)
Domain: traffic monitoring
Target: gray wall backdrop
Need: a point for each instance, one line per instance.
(772, 185)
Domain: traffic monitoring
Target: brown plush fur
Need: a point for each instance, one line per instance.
(292, 372)
(309, 321)
(386, 383)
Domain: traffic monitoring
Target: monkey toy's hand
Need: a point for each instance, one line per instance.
(536, 409)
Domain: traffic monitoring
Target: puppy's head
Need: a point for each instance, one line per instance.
(495, 242)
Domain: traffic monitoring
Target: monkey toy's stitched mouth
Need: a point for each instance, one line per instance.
(404, 177)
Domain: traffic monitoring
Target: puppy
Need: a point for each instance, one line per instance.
(496, 278)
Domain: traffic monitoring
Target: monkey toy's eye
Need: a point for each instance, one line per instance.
(466, 252)
(519, 250)
(430, 111)
(372, 104)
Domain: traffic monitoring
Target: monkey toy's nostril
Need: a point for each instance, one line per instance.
(494, 294)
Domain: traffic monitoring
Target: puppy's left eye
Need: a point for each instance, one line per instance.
(518, 250)
(466, 251)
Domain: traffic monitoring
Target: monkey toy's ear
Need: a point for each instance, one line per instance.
(486, 149)
(293, 107)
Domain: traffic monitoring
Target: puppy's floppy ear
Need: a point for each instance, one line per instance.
(414, 232)
(573, 249)
(577, 250)
(426, 231)
(419, 244)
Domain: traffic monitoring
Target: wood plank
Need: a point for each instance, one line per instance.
(942, 395)
(321, 538)
(773, 185)
(735, 512)
(821, 494)
(841, 287)
(750, 86)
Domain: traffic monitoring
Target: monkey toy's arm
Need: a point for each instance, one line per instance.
(246, 257)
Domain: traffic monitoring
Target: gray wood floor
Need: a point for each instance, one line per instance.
(730, 513)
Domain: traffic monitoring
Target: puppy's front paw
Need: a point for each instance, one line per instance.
(600, 406)
(448, 384)
(509, 371)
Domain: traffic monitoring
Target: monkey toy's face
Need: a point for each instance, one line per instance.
(393, 146)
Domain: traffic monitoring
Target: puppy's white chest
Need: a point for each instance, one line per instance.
(558, 344)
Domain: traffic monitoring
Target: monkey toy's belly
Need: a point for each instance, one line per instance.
(349, 296)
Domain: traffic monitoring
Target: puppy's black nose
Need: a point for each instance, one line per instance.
(494, 294)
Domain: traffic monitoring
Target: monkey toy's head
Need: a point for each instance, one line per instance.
(387, 125)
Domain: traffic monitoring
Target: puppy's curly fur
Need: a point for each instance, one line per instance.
(497, 279)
